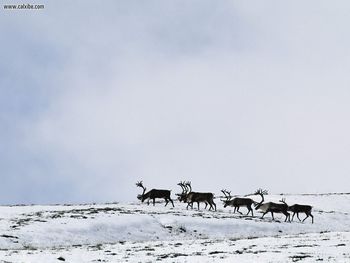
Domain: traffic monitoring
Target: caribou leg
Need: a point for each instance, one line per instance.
(312, 217)
(287, 216)
(249, 209)
(171, 202)
(307, 215)
(264, 215)
(293, 216)
(298, 216)
(213, 205)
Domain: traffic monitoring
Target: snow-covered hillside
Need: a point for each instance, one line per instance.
(140, 233)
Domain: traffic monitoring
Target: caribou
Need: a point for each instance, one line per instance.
(237, 202)
(272, 207)
(296, 209)
(153, 194)
(186, 189)
(190, 197)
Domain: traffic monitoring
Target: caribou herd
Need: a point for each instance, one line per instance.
(190, 197)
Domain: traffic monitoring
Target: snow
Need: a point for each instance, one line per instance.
(140, 233)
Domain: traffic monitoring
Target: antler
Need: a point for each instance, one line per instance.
(182, 186)
(261, 192)
(226, 193)
(188, 183)
(139, 184)
(283, 200)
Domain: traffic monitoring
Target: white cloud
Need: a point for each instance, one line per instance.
(226, 95)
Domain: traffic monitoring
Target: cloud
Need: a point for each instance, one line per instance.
(226, 95)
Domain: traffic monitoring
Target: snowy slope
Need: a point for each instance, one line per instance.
(140, 233)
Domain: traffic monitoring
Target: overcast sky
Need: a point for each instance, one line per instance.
(228, 94)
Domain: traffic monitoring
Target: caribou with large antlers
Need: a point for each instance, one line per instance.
(153, 194)
(237, 202)
(271, 207)
(190, 197)
(186, 189)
